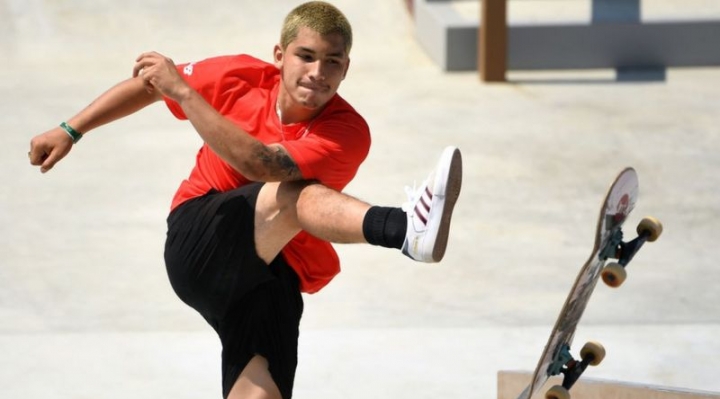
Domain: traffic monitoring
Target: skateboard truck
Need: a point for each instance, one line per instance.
(614, 274)
(563, 362)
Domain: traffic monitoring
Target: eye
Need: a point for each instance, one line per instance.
(306, 57)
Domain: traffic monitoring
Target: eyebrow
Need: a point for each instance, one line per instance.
(309, 50)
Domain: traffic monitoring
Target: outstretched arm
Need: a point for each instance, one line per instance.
(123, 99)
(255, 160)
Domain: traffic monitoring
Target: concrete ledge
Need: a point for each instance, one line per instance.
(511, 383)
(448, 38)
(451, 40)
(669, 44)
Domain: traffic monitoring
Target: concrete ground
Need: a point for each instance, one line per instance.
(86, 310)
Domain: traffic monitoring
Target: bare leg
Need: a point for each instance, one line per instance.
(331, 215)
(283, 209)
(255, 382)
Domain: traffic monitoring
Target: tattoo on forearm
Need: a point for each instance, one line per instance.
(279, 163)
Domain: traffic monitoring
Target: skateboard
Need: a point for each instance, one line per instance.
(609, 245)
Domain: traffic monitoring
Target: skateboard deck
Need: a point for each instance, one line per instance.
(617, 205)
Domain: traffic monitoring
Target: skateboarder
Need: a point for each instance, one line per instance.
(250, 228)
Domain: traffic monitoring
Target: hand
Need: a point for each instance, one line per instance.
(48, 148)
(159, 72)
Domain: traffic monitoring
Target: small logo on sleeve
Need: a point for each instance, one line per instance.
(188, 70)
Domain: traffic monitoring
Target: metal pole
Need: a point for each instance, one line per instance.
(492, 54)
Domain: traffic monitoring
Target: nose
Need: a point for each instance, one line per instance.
(317, 70)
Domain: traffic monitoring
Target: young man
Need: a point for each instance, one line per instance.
(250, 229)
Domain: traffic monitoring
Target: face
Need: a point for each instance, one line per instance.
(312, 68)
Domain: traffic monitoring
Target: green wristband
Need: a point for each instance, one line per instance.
(74, 134)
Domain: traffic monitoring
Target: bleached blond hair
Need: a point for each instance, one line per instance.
(322, 17)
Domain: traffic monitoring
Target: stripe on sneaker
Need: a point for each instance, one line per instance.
(428, 196)
(422, 209)
(419, 214)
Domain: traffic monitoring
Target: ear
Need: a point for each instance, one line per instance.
(347, 66)
(278, 56)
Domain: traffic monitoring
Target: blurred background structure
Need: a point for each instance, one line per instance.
(630, 35)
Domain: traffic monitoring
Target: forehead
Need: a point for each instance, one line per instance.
(311, 40)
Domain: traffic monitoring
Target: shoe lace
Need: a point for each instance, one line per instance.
(413, 194)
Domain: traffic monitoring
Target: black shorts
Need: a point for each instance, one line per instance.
(213, 267)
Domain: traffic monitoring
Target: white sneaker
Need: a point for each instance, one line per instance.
(429, 209)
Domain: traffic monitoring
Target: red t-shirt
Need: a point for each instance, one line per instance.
(330, 148)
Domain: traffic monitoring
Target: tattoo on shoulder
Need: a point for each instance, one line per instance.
(279, 163)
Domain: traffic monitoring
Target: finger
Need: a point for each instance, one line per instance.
(50, 161)
(149, 57)
(145, 55)
(146, 74)
(136, 71)
(35, 156)
(143, 61)
(149, 87)
(139, 67)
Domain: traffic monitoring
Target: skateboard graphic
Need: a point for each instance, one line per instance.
(556, 357)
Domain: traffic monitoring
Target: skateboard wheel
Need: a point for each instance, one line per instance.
(595, 350)
(614, 275)
(651, 226)
(557, 392)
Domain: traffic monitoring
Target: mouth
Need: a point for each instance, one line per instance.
(312, 87)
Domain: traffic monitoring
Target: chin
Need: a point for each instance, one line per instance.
(313, 99)
(313, 103)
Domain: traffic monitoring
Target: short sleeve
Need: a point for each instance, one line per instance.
(221, 81)
(332, 150)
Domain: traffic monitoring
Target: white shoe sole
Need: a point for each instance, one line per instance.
(446, 191)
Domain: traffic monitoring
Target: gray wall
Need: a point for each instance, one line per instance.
(616, 37)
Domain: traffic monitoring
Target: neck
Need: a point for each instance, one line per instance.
(290, 111)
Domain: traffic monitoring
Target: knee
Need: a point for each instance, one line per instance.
(290, 193)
